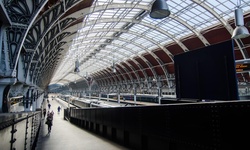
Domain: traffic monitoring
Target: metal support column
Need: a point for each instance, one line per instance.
(118, 96)
(134, 88)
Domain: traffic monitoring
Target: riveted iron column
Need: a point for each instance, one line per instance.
(118, 94)
(134, 88)
(159, 89)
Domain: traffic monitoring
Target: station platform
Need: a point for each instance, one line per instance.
(66, 136)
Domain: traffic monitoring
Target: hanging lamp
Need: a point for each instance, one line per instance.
(77, 64)
(113, 67)
(159, 9)
(240, 31)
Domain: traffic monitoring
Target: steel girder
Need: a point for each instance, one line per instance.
(22, 14)
(45, 36)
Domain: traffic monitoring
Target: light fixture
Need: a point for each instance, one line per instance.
(113, 63)
(113, 68)
(159, 9)
(86, 75)
(240, 31)
(77, 70)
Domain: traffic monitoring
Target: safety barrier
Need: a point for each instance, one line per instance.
(19, 130)
(195, 126)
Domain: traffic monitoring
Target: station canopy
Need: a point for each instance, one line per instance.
(120, 34)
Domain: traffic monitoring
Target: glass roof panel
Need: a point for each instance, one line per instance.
(137, 28)
(133, 47)
(119, 42)
(179, 6)
(143, 41)
(153, 46)
(124, 32)
(156, 35)
(223, 7)
(128, 36)
(168, 25)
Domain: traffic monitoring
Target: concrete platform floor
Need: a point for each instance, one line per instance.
(66, 136)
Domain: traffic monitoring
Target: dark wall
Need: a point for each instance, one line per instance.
(208, 126)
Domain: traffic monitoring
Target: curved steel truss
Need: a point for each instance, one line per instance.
(45, 39)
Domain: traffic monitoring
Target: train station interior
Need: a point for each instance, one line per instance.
(126, 74)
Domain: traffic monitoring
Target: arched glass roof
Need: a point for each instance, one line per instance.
(114, 31)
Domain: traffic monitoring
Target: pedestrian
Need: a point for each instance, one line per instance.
(49, 106)
(58, 109)
(49, 122)
(50, 114)
(44, 112)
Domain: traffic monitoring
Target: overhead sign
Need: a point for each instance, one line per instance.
(243, 67)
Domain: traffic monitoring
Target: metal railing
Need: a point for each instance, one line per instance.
(19, 130)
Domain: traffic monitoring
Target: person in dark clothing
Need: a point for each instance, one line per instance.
(44, 112)
(58, 109)
(49, 106)
(49, 122)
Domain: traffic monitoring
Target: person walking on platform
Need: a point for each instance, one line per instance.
(58, 109)
(44, 112)
(49, 122)
(50, 114)
(49, 106)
